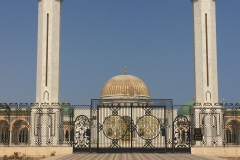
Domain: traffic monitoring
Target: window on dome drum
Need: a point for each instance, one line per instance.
(206, 32)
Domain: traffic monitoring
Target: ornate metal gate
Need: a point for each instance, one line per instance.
(130, 127)
(134, 126)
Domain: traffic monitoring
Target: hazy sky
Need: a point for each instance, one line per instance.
(152, 38)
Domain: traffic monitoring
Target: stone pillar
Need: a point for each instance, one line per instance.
(46, 122)
(10, 137)
(210, 120)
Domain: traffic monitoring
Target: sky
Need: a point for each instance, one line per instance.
(153, 39)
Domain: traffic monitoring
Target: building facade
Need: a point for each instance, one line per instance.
(125, 116)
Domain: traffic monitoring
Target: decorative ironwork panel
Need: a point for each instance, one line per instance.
(181, 132)
(82, 132)
(115, 127)
(148, 127)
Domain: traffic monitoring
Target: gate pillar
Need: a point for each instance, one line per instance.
(207, 125)
(46, 122)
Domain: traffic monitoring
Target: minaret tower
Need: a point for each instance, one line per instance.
(205, 51)
(208, 121)
(46, 116)
(48, 51)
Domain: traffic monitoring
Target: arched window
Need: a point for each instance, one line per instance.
(229, 135)
(66, 138)
(233, 131)
(19, 132)
(23, 135)
(4, 131)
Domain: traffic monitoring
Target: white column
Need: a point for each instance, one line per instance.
(48, 51)
(205, 51)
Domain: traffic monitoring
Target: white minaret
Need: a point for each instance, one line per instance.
(48, 51)
(205, 51)
(45, 115)
(206, 79)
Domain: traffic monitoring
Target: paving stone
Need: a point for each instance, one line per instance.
(132, 156)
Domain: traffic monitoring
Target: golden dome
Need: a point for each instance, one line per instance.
(124, 86)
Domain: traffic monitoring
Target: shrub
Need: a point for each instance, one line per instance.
(16, 155)
(53, 153)
(5, 157)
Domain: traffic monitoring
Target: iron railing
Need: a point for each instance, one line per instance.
(90, 127)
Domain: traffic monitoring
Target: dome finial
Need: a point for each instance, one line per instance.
(125, 70)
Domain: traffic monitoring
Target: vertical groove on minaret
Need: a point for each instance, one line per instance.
(206, 29)
(47, 51)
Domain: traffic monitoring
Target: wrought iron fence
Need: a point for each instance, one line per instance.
(215, 125)
(90, 127)
(35, 124)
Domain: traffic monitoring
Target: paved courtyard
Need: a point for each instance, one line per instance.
(131, 156)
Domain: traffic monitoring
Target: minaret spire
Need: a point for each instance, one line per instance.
(48, 51)
(205, 51)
